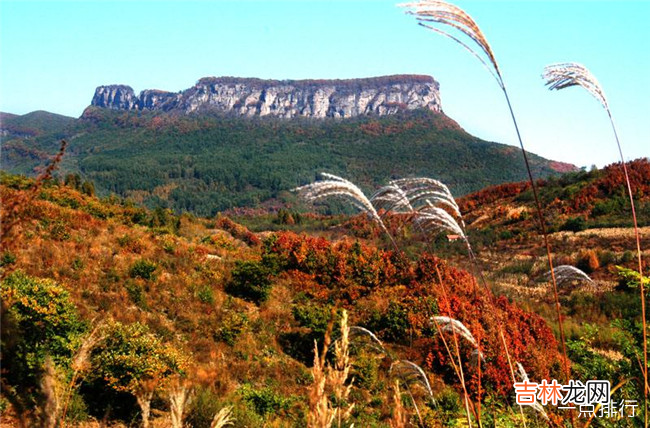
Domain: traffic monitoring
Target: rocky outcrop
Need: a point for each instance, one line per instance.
(283, 98)
(116, 97)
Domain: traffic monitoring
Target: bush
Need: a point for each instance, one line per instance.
(202, 409)
(250, 281)
(231, 326)
(7, 259)
(574, 224)
(392, 325)
(587, 261)
(136, 294)
(265, 400)
(40, 320)
(206, 295)
(143, 269)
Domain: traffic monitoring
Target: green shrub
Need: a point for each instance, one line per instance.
(7, 259)
(264, 401)
(206, 294)
(250, 281)
(143, 269)
(574, 224)
(627, 256)
(202, 408)
(231, 326)
(40, 320)
(629, 278)
(136, 294)
(392, 325)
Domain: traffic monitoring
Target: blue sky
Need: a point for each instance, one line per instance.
(53, 55)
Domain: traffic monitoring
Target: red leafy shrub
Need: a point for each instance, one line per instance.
(491, 194)
(237, 231)
(373, 281)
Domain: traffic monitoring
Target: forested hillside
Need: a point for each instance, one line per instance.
(206, 164)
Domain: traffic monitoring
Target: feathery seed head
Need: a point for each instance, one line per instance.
(566, 274)
(564, 75)
(429, 13)
(409, 372)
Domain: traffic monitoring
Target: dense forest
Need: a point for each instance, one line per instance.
(207, 164)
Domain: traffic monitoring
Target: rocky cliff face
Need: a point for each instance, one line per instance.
(287, 98)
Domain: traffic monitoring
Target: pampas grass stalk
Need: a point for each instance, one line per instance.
(436, 15)
(339, 375)
(335, 186)
(459, 369)
(223, 418)
(429, 217)
(323, 413)
(535, 406)
(398, 420)
(566, 274)
(565, 75)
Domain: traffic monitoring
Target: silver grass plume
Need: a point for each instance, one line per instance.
(524, 378)
(432, 218)
(565, 274)
(431, 12)
(475, 355)
(391, 198)
(339, 187)
(565, 75)
(358, 334)
(410, 373)
(451, 325)
(422, 189)
(223, 418)
(559, 76)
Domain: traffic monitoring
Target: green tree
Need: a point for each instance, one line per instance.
(88, 188)
(38, 321)
(134, 360)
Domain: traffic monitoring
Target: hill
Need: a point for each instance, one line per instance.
(209, 163)
(243, 309)
(232, 313)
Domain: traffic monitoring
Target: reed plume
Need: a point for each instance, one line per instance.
(322, 412)
(391, 198)
(566, 75)
(335, 186)
(223, 418)
(432, 218)
(358, 334)
(566, 274)
(445, 18)
(423, 191)
(399, 416)
(410, 373)
(523, 376)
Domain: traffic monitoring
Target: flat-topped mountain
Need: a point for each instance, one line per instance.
(377, 96)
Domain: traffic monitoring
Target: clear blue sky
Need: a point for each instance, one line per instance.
(53, 54)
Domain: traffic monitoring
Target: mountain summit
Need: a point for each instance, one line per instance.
(377, 96)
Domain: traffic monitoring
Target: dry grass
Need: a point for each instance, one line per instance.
(323, 412)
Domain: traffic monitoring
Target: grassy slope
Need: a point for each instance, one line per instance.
(90, 247)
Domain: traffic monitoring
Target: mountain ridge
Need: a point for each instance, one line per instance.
(207, 163)
(315, 98)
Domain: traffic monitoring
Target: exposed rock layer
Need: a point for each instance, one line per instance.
(287, 98)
